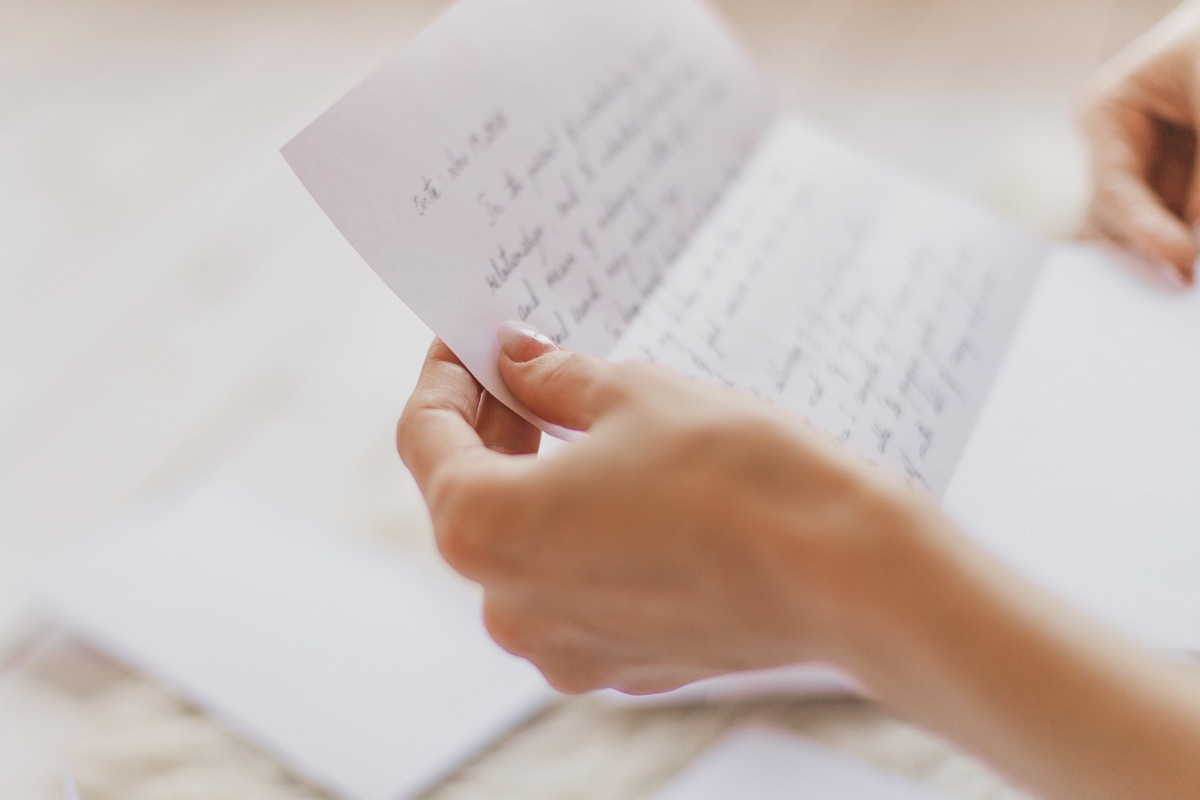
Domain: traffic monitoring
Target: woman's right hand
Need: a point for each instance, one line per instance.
(694, 531)
(1140, 116)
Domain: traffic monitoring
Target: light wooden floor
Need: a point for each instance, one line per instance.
(171, 302)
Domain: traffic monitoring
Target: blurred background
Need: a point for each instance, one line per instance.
(172, 303)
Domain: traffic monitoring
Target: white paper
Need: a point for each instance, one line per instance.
(541, 160)
(366, 674)
(801, 680)
(1084, 469)
(610, 172)
(875, 306)
(759, 763)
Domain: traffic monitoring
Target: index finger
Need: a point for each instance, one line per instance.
(437, 428)
(1123, 142)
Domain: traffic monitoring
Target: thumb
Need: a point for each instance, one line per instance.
(564, 388)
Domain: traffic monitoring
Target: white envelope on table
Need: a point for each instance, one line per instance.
(365, 673)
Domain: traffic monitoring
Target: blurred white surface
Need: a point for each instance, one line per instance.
(769, 765)
(366, 672)
(1082, 469)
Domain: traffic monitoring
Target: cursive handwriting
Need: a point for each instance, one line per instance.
(806, 291)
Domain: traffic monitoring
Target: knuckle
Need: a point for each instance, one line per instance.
(461, 546)
(482, 519)
(568, 375)
(553, 379)
(699, 437)
(569, 679)
(405, 431)
(461, 524)
(638, 373)
(619, 384)
(715, 433)
(608, 391)
(557, 372)
(444, 490)
(509, 629)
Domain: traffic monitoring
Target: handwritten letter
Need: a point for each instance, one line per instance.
(610, 173)
(536, 160)
(875, 307)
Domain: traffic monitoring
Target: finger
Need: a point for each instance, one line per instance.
(655, 678)
(1124, 143)
(437, 428)
(1192, 205)
(503, 430)
(563, 388)
(1171, 174)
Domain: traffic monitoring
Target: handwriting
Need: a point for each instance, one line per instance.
(526, 308)
(427, 197)
(506, 262)
(488, 132)
(804, 292)
(457, 163)
(646, 214)
(607, 167)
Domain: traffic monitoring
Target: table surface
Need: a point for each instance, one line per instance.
(171, 303)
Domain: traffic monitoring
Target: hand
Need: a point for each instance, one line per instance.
(1140, 117)
(692, 532)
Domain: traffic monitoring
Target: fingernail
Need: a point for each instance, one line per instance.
(1169, 274)
(522, 342)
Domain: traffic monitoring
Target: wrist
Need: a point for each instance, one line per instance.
(883, 580)
(944, 635)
